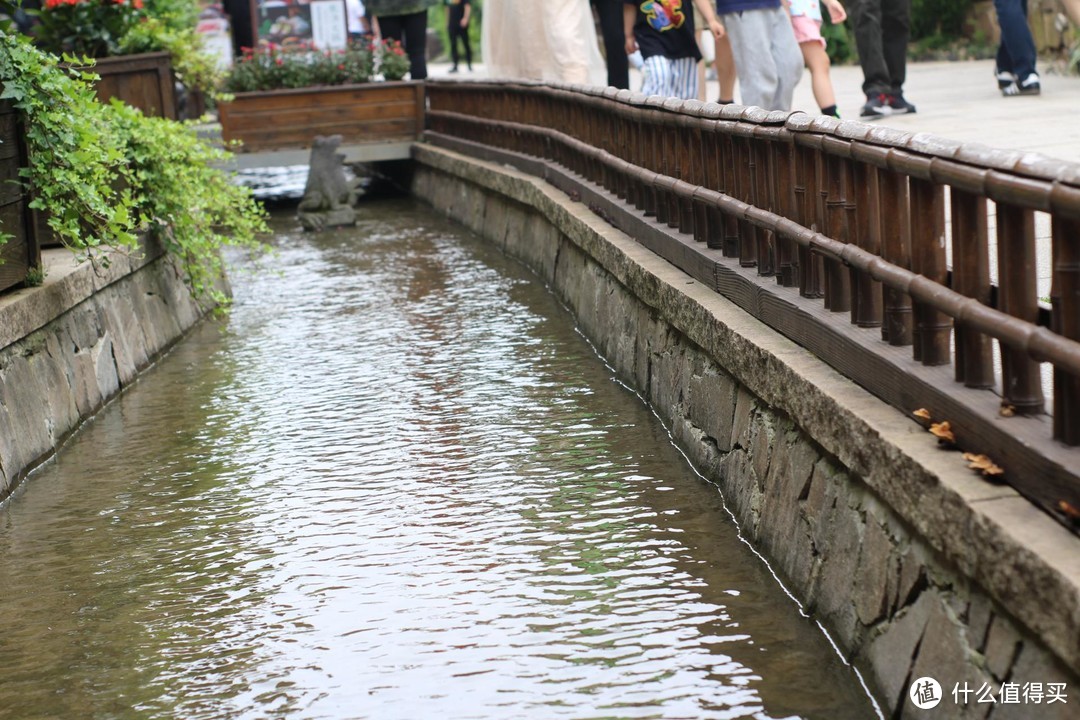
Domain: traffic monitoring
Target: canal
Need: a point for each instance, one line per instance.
(394, 483)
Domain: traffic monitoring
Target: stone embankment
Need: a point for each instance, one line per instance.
(914, 565)
(69, 346)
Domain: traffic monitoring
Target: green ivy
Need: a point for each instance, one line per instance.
(76, 166)
(104, 174)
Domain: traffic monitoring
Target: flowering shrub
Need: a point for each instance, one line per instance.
(393, 62)
(86, 28)
(277, 68)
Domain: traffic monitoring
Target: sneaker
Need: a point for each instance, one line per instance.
(876, 106)
(1030, 85)
(899, 105)
(453, 69)
(1004, 78)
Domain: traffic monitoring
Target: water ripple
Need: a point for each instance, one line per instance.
(396, 484)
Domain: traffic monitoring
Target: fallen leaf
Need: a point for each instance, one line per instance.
(943, 432)
(1070, 510)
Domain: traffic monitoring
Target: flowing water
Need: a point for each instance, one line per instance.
(395, 483)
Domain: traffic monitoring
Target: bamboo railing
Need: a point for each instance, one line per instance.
(848, 213)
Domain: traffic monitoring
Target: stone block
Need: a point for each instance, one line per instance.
(943, 655)
(891, 651)
(839, 545)
(712, 406)
(744, 408)
(1002, 647)
(876, 566)
(1035, 668)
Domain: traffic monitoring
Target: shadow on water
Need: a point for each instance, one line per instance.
(395, 483)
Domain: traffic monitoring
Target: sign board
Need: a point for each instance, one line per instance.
(289, 23)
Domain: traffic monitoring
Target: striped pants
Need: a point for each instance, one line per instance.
(671, 78)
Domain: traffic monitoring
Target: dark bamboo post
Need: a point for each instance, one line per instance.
(933, 328)
(834, 196)
(866, 309)
(803, 191)
(763, 198)
(971, 278)
(687, 169)
(896, 249)
(1065, 296)
(714, 180)
(731, 170)
(785, 181)
(810, 268)
(745, 177)
(1017, 296)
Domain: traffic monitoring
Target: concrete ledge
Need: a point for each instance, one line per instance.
(915, 564)
(72, 344)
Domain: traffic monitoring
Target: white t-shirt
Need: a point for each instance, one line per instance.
(354, 9)
(809, 8)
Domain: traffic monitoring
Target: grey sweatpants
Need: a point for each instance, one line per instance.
(767, 57)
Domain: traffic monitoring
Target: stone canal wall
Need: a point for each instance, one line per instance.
(914, 565)
(69, 346)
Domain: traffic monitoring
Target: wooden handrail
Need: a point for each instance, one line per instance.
(844, 211)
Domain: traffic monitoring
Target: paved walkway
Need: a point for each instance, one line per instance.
(956, 100)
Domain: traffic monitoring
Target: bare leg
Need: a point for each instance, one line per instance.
(725, 69)
(1072, 9)
(818, 61)
(700, 71)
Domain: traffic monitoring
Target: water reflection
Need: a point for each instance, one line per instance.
(397, 484)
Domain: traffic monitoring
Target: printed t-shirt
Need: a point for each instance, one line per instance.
(665, 27)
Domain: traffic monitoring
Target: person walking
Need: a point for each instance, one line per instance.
(882, 28)
(767, 59)
(1015, 66)
(806, 22)
(664, 32)
(457, 26)
(406, 22)
(611, 29)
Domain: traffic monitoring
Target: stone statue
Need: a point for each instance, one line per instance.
(328, 195)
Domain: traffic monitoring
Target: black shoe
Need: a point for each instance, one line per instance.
(899, 105)
(876, 106)
(1027, 86)
(1030, 85)
(1004, 79)
(453, 69)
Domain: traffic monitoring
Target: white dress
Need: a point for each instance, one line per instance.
(552, 40)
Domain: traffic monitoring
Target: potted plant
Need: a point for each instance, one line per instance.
(108, 177)
(280, 98)
(138, 51)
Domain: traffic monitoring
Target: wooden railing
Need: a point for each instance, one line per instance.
(861, 217)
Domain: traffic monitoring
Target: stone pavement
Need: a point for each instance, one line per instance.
(961, 101)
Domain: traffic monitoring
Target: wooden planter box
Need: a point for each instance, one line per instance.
(21, 252)
(144, 81)
(375, 112)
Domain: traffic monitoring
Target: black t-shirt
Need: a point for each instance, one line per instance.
(665, 27)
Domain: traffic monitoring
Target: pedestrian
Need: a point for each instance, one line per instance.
(767, 58)
(356, 20)
(1015, 67)
(553, 41)
(457, 26)
(663, 30)
(806, 22)
(406, 22)
(610, 15)
(882, 28)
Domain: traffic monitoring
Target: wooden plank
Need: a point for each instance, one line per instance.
(321, 97)
(282, 138)
(302, 116)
